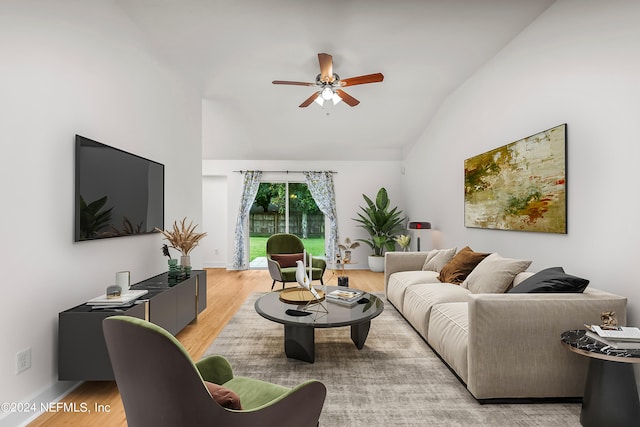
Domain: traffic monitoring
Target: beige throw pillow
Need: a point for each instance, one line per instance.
(438, 258)
(494, 274)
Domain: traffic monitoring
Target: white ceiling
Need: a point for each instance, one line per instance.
(231, 50)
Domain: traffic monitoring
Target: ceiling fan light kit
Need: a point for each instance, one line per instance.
(329, 83)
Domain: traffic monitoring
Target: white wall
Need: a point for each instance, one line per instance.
(77, 67)
(578, 64)
(351, 181)
(214, 221)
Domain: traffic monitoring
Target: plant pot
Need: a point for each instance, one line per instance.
(376, 263)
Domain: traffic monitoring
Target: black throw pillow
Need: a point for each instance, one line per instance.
(552, 279)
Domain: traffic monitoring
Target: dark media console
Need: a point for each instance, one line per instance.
(82, 352)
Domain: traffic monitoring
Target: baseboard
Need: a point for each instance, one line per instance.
(40, 401)
(214, 264)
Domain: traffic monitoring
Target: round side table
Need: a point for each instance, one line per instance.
(611, 394)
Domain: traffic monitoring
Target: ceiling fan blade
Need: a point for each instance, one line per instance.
(326, 67)
(309, 100)
(285, 82)
(360, 80)
(348, 99)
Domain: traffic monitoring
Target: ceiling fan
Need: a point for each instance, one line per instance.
(329, 84)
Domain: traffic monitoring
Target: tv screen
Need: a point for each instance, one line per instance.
(117, 193)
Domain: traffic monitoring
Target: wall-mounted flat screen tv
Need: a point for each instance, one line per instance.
(117, 193)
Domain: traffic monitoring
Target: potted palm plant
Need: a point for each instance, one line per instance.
(382, 223)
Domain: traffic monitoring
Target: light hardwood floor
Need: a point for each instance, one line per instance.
(226, 291)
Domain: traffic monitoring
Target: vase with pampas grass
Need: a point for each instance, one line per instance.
(184, 238)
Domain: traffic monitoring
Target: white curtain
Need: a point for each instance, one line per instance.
(320, 186)
(249, 191)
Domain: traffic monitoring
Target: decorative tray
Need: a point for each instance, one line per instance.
(300, 296)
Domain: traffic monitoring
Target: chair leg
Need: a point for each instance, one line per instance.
(273, 284)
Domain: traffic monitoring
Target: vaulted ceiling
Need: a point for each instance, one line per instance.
(231, 50)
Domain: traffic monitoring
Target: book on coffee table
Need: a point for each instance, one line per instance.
(344, 297)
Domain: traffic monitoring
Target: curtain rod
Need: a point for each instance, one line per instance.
(241, 171)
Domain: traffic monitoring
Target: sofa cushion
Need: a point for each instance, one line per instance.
(456, 270)
(419, 300)
(438, 258)
(494, 274)
(552, 279)
(398, 283)
(449, 335)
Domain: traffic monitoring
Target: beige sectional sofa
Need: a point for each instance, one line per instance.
(501, 345)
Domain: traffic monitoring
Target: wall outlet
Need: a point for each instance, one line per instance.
(23, 360)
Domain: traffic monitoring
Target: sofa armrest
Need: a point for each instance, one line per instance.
(514, 347)
(402, 261)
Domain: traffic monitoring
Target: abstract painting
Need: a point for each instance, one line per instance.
(519, 186)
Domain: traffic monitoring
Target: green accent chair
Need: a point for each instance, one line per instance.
(282, 250)
(160, 386)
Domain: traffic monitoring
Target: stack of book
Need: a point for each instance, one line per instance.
(621, 338)
(344, 297)
(127, 297)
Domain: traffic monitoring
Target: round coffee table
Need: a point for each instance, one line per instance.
(299, 331)
(610, 394)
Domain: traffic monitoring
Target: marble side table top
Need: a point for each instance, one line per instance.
(580, 343)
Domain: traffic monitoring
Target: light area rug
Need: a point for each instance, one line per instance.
(395, 380)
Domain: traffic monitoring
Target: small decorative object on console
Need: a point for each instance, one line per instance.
(113, 291)
(174, 271)
(123, 279)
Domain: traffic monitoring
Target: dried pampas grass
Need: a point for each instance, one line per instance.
(183, 237)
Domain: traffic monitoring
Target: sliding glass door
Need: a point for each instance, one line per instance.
(284, 207)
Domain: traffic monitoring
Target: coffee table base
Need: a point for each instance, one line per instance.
(299, 341)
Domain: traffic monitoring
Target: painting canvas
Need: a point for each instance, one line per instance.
(520, 186)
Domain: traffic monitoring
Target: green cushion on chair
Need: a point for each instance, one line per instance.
(255, 393)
